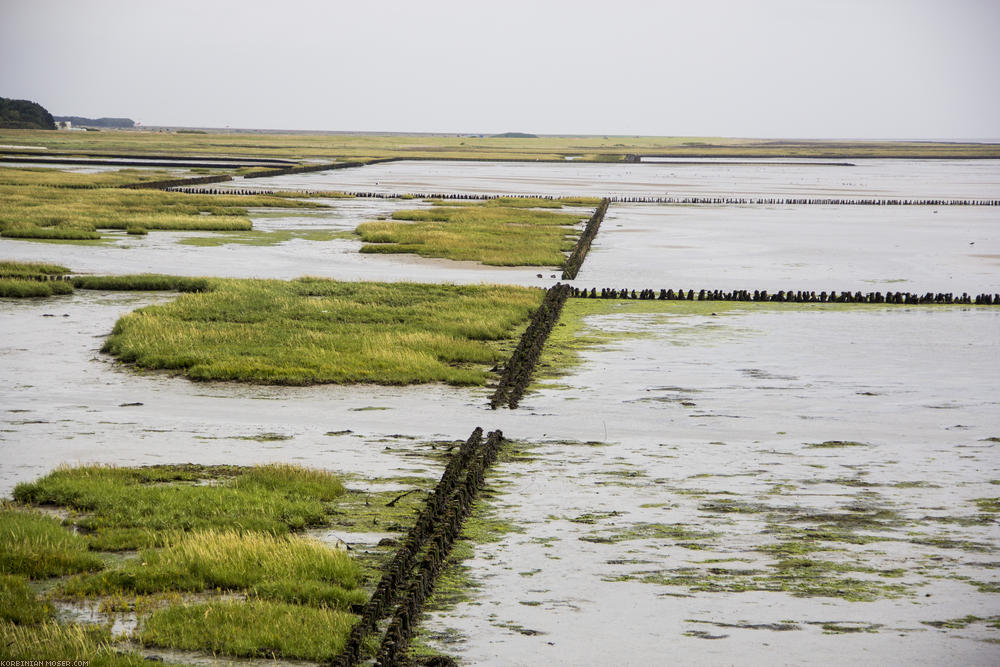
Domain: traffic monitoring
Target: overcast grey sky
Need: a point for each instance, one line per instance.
(759, 68)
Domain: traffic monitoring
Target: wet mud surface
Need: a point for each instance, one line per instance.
(892, 248)
(866, 178)
(815, 499)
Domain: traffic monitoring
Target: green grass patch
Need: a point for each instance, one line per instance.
(26, 289)
(49, 233)
(142, 282)
(285, 568)
(250, 629)
(55, 641)
(13, 269)
(495, 235)
(257, 238)
(311, 331)
(76, 212)
(360, 147)
(130, 508)
(37, 546)
(54, 177)
(18, 602)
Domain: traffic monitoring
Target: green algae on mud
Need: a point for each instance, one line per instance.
(312, 331)
(52, 640)
(250, 629)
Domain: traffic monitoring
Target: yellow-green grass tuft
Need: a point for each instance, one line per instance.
(18, 602)
(285, 568)
(143, 282)
(55, 641)
(38, 546)
(129, 508)
(250, 629)
(15, 269)
(24, 289)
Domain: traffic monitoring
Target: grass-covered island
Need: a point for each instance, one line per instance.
(501, 232)
(312, 330)
(207, 558)
(61, 206)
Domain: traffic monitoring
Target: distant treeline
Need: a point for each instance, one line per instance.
(96, 122)
(24, 115)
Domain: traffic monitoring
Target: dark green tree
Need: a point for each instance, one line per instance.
(24, 115)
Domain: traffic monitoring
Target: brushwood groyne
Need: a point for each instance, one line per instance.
(410, 577)
(790, 296)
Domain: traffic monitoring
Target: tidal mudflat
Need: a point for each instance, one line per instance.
(871, 178)
(816, 482)
(859, 248)
(727, 480)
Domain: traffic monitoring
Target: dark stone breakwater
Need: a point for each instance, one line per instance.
(781, 296)
(575, 260)
(409, 579)
(516, 374)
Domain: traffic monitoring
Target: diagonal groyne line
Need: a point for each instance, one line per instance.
(575, 260)
(326, 166)
(516, 374)
(419, 559)
(392, 649)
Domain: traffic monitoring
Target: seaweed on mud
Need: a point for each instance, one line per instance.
(783, 626)
(684, 535)
(846, 627)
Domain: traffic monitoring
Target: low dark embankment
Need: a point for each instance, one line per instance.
(175, 182)
(781, 296)
(302, 169)
(517, 373)
(411, 575)
(575, 260)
